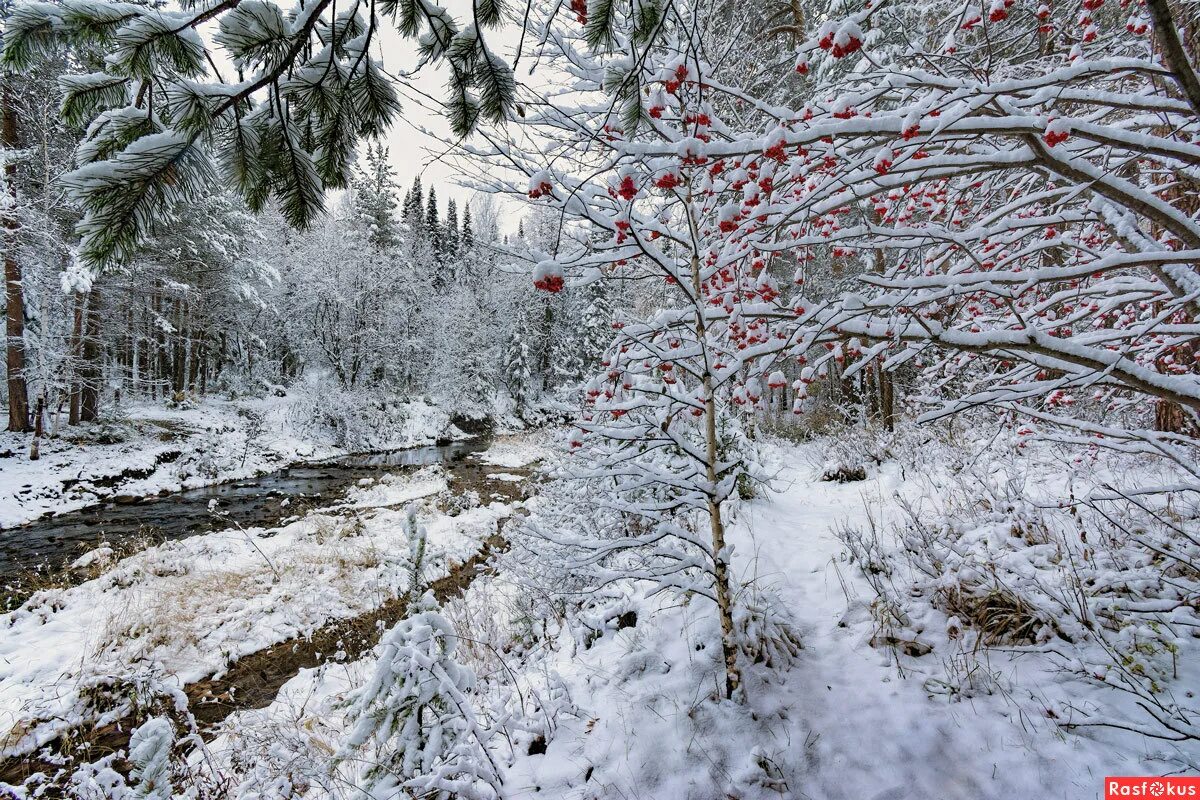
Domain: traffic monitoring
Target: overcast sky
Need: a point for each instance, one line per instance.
(413, 152)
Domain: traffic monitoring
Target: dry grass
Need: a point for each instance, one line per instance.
(183, 610)
(1000, 616)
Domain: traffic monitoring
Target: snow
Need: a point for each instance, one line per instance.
(842, 718)
(392, 489)
(187, 609)
(633, 710)
(159, 449)
(514, 451)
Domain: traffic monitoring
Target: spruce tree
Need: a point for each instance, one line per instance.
(597, 325)
(450, 233)
(374, 202)
(414, 211)
(433, 225)
(517, 372)
(467, 240)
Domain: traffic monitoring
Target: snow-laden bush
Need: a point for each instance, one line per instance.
(766, 632)
(361, 421)
(149, 759)
(150, 755)
(1099, 577)
(99, 780)
(413, 726)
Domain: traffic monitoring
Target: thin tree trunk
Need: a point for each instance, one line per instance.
(14, 297)
(733, 678)
(887, 400)
(38, 429)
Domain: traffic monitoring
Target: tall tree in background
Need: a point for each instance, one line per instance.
(468, 233)
(14, 298)
(597, 325)
(451, 231)
(433, 224)
(375, 197)
(414, 209)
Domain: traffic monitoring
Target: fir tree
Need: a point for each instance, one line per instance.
(150, 748)
(450, 232)
(415, 733)
(566, 354)
(597, 325)
(414, 212)
(433, 225)
(375, 201)
(467, 240)
(517, 372)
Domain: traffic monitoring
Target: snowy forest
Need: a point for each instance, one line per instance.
(660, 399)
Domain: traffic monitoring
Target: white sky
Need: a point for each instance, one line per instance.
(411, 151)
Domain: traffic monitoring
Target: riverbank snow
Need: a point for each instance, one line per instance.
(147, 449)
(186, 609)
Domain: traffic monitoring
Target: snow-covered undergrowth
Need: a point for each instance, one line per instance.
(366, 421)
(188, 609)
(861, 678)
(1087, 566)
(150, 448)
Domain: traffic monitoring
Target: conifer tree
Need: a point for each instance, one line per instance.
(467, 239)
(597, 325)
(414, 732)
(414, 210)
(433, 225)
(163, 120)
(375, 203)
(517, 373)
(450, 234)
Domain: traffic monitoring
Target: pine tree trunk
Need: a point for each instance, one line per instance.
(90, 372)
(76, 358)
(14, 297)
(733, 677)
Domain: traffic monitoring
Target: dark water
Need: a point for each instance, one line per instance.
(56, 541)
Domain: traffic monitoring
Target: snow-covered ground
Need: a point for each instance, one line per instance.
(631, 711)
(149, 448)
(621, 697)
(187, 609)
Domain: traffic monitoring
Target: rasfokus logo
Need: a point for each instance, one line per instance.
(1152, 788)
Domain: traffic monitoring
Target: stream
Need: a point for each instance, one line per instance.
(54, 542)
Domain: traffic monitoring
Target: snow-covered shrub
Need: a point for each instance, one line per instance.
(363, 420)
(849, 449)
(150, 768)
(99, 780)
(413, 725)
(1098, 575)
(766, 632)
(150, 748)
